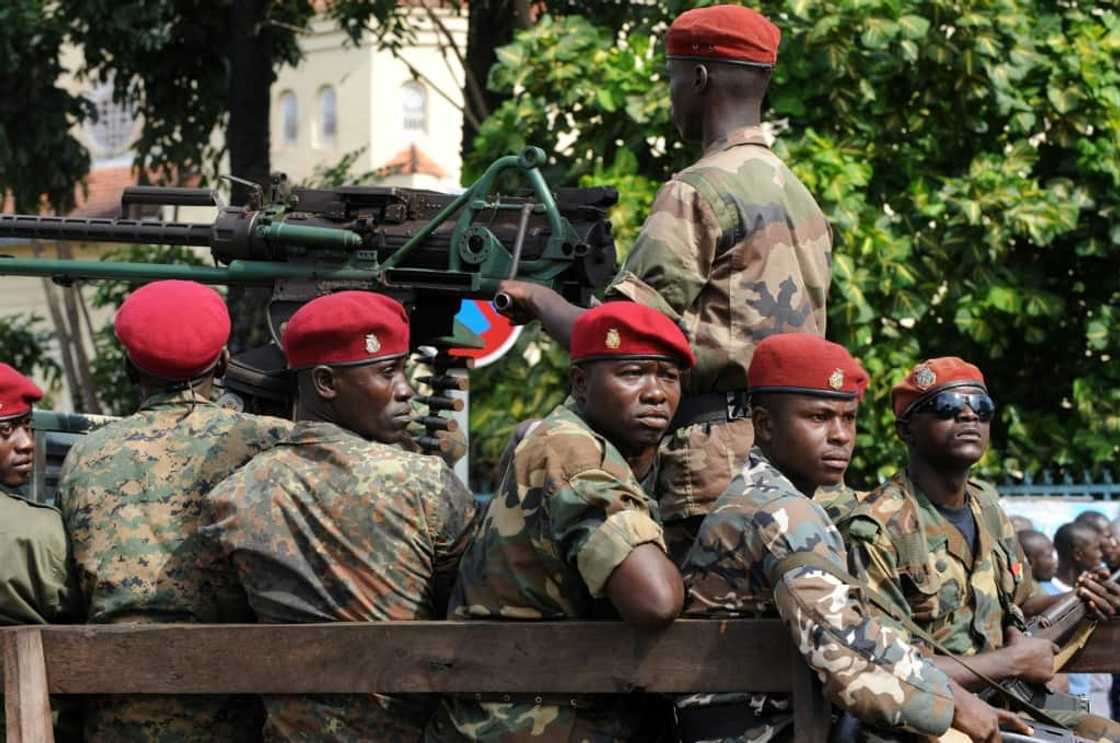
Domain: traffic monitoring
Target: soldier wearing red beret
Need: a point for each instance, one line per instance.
(339, 523)
(573, 534)
(131, 493)
(936, 541)
(735, 249)
(768, 545)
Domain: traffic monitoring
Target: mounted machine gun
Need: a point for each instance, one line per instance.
(429, 250)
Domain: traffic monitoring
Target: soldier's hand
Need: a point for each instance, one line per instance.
(979, 720)
(1032, 658)
(517, 300)
(1100, 596)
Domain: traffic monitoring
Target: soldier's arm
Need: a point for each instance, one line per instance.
(869, 668)
(672, 258)
(453, 519)
(607, 533)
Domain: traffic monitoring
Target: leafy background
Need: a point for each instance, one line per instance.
(967, 153)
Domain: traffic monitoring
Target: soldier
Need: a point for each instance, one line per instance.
(768, 546)
(36, 585)
(734, 249)
(131, 493)
(571, 534)
(338, 523)
(938, 545)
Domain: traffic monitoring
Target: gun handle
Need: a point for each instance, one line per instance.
(502, 301)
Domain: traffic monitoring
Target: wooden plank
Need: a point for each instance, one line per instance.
(1101, 654)
(26, 705)
(547, 657)
(812, 717)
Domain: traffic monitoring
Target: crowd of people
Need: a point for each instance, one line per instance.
(696, 469)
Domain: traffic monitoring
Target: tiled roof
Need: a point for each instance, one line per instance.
(411, 161)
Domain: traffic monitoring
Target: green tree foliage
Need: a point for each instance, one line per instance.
(968, 155)
(31, 34)
(23, 346)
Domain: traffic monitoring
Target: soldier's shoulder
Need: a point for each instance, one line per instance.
(761, 493)
(395, 467)
(562, 443)
(888, 509)
(29, 517)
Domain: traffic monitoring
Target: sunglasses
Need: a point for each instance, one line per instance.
(947, 405)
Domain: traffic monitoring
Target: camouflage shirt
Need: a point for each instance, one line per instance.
(838, 500)
(735, 249)
(921, 561)
(568, 512)
(131, 494)
(329, 527)
(867, 668)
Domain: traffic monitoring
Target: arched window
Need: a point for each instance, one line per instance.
(113, 130)
(414, 106)
(289, 118)
(328, 116)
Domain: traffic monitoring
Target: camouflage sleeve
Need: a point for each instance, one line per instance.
(868, 668)
(451, 515)
(672, 257)
(598, 520)
(872, 557)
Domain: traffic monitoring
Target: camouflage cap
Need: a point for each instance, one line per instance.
(17, 392)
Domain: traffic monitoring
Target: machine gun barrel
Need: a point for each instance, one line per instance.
(147, 232)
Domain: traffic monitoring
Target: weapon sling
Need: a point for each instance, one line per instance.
(817, 562)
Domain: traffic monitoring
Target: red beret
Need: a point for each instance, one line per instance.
(351, 327)
(17, 392)
(173, 329)
(930, 377)
(628, 329)
(807, 364)
(729, 33)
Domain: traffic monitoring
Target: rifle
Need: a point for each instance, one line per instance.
(428, 250)
(1042, 734)
(1068, 625)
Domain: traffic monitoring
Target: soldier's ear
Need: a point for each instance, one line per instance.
(577, 379)
(700, 77)
(763, 421)
(902, 428)
(324, 382)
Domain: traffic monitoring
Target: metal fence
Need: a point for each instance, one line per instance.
(1100, 487)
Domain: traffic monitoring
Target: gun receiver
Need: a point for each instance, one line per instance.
(1057, 622)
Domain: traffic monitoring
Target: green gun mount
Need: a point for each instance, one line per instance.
(427, 249)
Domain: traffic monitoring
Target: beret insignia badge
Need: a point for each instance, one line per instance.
(373, 345)
(836, 379)
(924, 378)
(613, 339)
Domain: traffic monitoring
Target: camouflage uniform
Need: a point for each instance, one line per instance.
(329, 527)
(838, 500)
(131, 494)
(568, 512)
(868, 668)
(734, 249)
(914, 556)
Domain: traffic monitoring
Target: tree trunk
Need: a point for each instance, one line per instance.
(65, 345)
(251, 78)
(492, 23)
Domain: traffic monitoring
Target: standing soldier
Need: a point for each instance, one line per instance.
(767, 545)
(735, 249)
(35, 578)
(131, 493)
(939, 546)
(571, 534)
(338, 523)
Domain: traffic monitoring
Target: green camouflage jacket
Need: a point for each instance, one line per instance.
(131, 493)
(867, 668)
(569, 511)
(838, 500)
(734, 249)
(917, 558)
(329, 527)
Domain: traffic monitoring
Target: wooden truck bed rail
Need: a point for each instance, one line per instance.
(420, 657)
